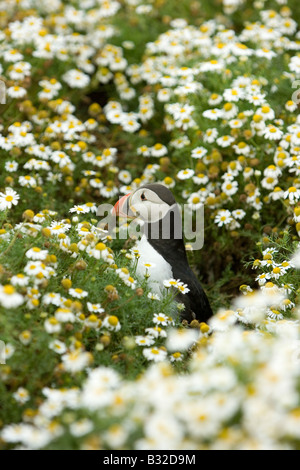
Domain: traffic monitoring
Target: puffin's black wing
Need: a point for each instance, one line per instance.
(196, 302)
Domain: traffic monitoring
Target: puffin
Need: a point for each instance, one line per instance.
(161, 245)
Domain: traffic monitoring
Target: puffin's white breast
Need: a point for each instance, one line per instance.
(161, 269)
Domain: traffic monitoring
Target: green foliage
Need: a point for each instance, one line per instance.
(102, 97)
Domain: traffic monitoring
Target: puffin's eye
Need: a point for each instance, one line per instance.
(143, 197)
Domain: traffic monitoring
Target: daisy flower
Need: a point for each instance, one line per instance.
(296, 259)
(229, 111)
(292, 194)
(242, 148)
(161, 319)
(176, 357)
(36, 253)
(210, 135)
(79, 209)
(19, 280)
(286, 304)
(144, 150)
(223, 218)
(25, 337)
(195, 201)
(156, 332)
(199, 152)
(169, 182)
(265, 53)
(130, 282)
(274, 314)
(181, 339)
(144, 340)
(8, 199)
(183, 288)
(99, 252)
(52, 325)
(233, 94)
(76, 79)
(276, 194)
(19, 70)
(236, 123)
(215, 99)
(269, 182)
(78, 293)
(211, 66)
(258, 99)
(9, 298)
(171, 283)
(76, 361)
(230, 187)
(58, 346)
(38, 268)
(9, 351)
(90, 207)
(12, 55)
(263, 278)
(155, 354)
(272, 133)
(81, 428)
(52, 298)
(164, 95)
(213, 114)
(111, 322)
(93, 322)
(153, 296)
(64, 315)
(222, 320)
(94, 308)
(27, 181)
(130, 123)
(58, 228)
(266, 112)
(158, 150)
(185, 174)
(294, 64)
(238, 214)
(180, 142)
(200, 178)
(21, 395)
(16, 92)
(11, 166)
(291, 106)
(125, 176)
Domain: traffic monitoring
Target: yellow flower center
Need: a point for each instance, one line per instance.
(154, 351)
(113, 320)
(8, 290)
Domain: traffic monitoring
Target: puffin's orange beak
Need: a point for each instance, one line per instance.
(121, 208)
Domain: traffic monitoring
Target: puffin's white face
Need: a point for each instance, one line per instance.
(147, 205)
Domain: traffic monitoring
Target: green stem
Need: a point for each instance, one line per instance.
(11, 243)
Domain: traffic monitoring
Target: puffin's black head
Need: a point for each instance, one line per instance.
(161, 191)
(156, 206)
(151, 202)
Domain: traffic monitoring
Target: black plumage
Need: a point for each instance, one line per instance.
(196, 302)
(172, 249)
